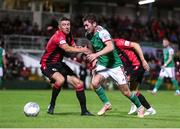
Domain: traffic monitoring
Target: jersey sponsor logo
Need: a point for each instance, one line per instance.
(62, 42)
(126, 43)
(54, 69)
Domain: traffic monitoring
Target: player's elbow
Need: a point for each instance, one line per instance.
(135, 45)
(111, 48)
(68, 49)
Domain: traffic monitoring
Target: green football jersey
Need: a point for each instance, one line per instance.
(166, 52)
(1, 56)
(111, 59)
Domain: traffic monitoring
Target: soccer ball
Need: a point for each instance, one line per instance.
(31, 109)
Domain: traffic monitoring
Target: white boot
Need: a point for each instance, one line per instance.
(104, 109)
(150, 111)
(133, 109)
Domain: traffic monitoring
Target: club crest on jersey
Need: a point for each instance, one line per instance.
(106, 36)
(126, 43)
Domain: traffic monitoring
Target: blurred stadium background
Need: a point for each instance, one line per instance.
(26, 25)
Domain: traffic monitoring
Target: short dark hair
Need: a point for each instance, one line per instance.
(166, 38)
(91, 18)
(64, 19)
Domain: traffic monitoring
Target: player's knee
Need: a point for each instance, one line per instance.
(58, 84)
(79, 85)
(127, 93)
(95, 83)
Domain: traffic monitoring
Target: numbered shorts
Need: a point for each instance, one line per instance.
(117, 74)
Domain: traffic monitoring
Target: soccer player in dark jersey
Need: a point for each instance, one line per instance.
(56, 70)
(135, 66)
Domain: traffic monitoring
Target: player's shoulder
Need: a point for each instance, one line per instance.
(170, 48)
(102, 32)
(59, 34)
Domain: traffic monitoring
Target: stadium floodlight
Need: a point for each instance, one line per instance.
(141, 2)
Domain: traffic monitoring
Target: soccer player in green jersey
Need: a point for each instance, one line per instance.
(167, 69)
(108, 64)
(2, 63)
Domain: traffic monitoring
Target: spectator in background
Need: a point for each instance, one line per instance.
(47, 6)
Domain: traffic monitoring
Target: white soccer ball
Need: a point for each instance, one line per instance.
(31, 109)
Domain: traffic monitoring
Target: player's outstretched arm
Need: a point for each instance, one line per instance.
(71, 49)
(108, 48)
(138, 50)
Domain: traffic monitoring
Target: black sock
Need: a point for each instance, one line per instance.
(143, 101)
(55, 93)
(82, 100)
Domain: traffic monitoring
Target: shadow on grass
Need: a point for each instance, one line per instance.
(68, 113)
(134, 116)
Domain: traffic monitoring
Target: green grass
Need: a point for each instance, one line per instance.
(67, 112)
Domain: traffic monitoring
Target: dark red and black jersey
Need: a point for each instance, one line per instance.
(127, 53)
(53, 51)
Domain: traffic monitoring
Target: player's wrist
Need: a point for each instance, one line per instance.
(165, 65)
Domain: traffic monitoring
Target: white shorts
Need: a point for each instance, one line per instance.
(115, 73)
(167, 72)
(1, 71)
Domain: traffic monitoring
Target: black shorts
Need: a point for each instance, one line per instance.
(60, 67)
(136, 75)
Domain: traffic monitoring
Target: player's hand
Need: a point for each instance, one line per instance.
(163, 67)
(94, 63)
(145, 65)
(85, 50)
(93, 71)
(92, 57)
(78, 46)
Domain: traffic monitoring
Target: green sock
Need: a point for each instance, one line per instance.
(101, 94)
(175, 84)
(158, 84)
(135, 100)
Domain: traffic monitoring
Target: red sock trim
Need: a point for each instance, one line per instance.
(138, 93)
(79, 88)
(56, 86)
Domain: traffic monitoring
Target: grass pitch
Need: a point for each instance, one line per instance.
(67, 111)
